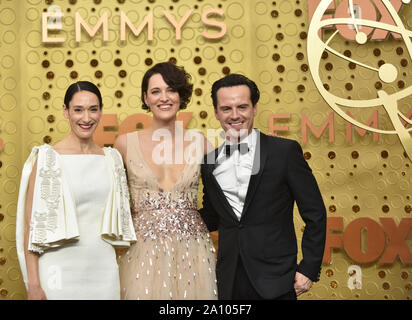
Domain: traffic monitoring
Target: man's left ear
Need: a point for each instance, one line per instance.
(215, 112)
(255, 109)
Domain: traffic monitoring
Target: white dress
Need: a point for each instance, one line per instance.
(87, 267)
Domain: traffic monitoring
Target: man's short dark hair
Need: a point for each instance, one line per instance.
(233, 80)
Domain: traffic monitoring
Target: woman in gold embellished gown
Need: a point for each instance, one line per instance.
(173, 257)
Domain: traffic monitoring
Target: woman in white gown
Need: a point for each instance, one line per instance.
(73, 208)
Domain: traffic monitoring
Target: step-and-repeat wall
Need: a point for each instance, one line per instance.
(334, 75)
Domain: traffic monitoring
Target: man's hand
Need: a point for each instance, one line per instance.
(302, 283)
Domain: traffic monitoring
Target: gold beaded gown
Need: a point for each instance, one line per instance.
(173, 257)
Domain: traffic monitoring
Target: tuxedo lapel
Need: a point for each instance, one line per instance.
(257, 170)
(211, 165)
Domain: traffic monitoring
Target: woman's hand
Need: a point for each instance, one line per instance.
(35, 292)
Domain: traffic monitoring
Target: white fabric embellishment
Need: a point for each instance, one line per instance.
(53, 222)
(50, 190)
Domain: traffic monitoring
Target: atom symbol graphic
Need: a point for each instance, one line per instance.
(387, 72)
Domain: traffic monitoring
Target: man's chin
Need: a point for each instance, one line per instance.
(236, 134)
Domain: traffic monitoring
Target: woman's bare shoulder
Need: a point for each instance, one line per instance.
(121, 144)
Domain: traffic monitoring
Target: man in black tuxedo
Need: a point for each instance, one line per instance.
(250, 185)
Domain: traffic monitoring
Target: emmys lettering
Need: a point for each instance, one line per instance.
(366, 9)
(52, 21)
(365, 240)
(328, 125)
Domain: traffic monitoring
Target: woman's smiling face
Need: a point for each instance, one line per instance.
(163, 101)
(83, 113)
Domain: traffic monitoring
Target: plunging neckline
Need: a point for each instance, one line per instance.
(145, 163)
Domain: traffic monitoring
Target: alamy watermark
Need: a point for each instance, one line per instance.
(192, 147)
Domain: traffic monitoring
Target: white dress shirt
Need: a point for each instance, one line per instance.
(233, 172)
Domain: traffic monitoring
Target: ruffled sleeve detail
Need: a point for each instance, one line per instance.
(117, 225)
(53, 210)
(53, 220)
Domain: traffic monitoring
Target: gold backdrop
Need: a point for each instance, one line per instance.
(366, 176)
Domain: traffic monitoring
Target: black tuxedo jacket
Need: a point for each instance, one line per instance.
(265, 237)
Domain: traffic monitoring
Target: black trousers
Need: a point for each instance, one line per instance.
(244, 290)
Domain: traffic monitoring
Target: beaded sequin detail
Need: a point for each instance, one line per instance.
(161, 216)
(173, 257)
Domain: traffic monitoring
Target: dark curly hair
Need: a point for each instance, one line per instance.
(233, 80)
(176, 77)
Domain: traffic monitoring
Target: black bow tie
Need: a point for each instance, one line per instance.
(242, 147)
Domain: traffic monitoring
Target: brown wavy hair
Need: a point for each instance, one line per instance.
(176, 78)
